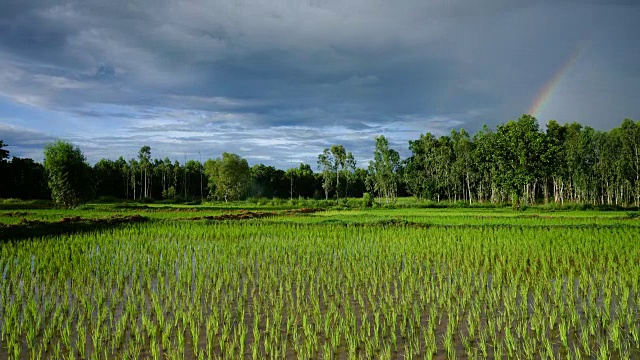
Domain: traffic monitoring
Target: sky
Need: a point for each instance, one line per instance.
(277, 81)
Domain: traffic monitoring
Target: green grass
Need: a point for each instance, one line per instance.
(360, 283)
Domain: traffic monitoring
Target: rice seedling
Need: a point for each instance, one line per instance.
(270, 288)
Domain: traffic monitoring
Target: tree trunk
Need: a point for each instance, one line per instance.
(126, 185)
(546, 191)
(337, 183)
(469, 188)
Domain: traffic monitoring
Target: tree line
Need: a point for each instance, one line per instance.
(520, 163)
(516, 162)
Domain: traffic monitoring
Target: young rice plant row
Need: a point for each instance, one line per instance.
(254, 290)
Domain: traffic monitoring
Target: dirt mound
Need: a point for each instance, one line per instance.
(16, 214)
(245, 215)
(115, 219)
(127, 219)
(177, 210)
(303, 211)
(32, 228)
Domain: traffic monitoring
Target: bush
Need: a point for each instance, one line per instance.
(354, 203)
(460, 204)
(68, 174)
(633, 215)
(170, 193)
(367, 200)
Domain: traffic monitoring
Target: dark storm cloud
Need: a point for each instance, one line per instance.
(23, 142)
(262, 77)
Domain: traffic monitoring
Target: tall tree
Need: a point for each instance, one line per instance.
(339, 158)
(358, 183)
(134, 167)
(519, 148)
(193, 170)
(419, 175)
(144, 158)
(305, 183)
(485, 144)
(167, 175)
(580, 155)
(384, 170)
(332, 161)
(444, 159)
(24, 179)
(178, 178)
(68, 174)
(327, 167)
(229, 177)
(464, 165)
(607, 150)
(123, 168)
(630, 137)
(107, 178)
(556, 160)
(269, 182)
(348, 171)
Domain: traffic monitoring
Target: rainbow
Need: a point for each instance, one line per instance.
(556, 79)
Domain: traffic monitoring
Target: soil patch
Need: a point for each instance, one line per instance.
(114, 219)
(246, 215)
(34, 228)
(16, 214)
(243, 215)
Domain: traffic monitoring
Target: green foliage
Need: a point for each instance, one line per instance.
(333, 162)
(419, 174)
(384, 170)
(170, 193)
(326, 164)
(109, 178)
(4, 154)
(520, 164)
(516, 164)
(21, 177)
(269, 182)
(366, 283)
(229, 177)
(629, 136)
(69, 176)
(305, 182)
(367, 200)
(144, 163)
(519, 149)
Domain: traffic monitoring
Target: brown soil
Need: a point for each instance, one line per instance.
(115, 219)
(15, 214)
(245, 215)
(303, 211)
(34, 228)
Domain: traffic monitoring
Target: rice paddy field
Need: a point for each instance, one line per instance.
(110, 282)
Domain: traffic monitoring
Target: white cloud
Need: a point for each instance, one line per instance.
(269, 78)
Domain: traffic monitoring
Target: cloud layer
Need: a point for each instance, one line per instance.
(276, 81)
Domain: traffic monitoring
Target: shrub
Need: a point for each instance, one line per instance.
(68, 174)
(367, 200)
